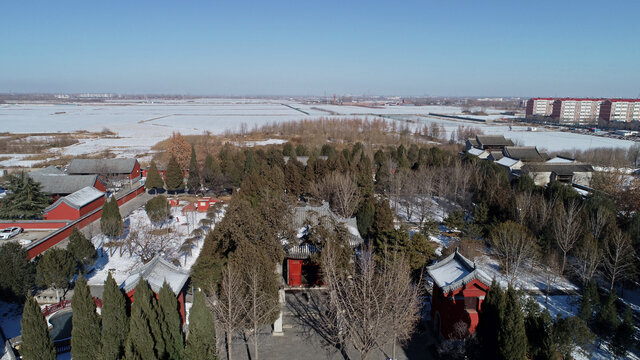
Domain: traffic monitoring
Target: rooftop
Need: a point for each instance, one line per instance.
(156, 272)
(558, 168)
(63, 184)
(476, 151)
(524, 153)
(493, 140)
(101, 166)
(455, 271)
(507, 162)
(78, 199)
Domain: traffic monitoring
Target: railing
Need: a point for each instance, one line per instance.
(63, 304)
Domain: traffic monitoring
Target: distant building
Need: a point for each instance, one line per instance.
(566, 172)
(459, 288)
(576, 110)
(525, 153)
(539, 107)
(624, 110)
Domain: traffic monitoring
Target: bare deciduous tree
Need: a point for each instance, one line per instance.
(340, 190)
(376, 301)
(619, 258)
(230, 306)
(588, 259)
(514, 245)
(523, 206)
(566, 229)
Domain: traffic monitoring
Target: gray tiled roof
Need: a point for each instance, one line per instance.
(63, 184)
(558, 168)
(156, 272)
(101, 166)
(524, 153)
(493, 140)
(49, 170)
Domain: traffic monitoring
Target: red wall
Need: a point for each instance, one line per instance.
(99, 185)
(62, 212)
(136, 171)
(451, 306)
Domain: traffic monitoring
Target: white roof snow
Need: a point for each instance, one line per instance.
(507, 162)
(559, 159)
(454, 271)
(78, 199)
(475, 151)
(156, 272)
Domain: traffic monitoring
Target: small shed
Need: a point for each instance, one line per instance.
(204, 204)
(459, 288)
(156, 272)
(76, 205)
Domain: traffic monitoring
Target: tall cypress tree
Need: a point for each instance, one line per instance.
(82, 249)
(144, 341)
(607, 317)
(193, 183)
(115, 323)
(174, 177)
(589, 303)
(85, 331)
(490, 318)
(623, 339)
(201, 341)
(170, 322)
(154, 180)
(111, 221)
(36, 341)
(512, 338)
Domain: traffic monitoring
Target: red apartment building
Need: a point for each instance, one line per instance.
(624, 110)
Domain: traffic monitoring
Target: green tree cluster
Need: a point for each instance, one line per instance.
(174, 179)
(158, 209)
(24, 199)
(17, 272)
(111, 223)
(81, 249)
(154, 180)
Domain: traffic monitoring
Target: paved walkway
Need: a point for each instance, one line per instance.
(302, 342)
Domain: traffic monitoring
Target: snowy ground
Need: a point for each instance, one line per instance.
(182, 225)
(141, 125)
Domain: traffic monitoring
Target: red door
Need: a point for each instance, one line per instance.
(295, 272)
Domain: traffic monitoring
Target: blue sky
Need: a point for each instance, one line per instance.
(456, 47)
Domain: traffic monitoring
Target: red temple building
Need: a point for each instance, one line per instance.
(459, 288)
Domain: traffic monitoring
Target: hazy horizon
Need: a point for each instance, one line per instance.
(466, 49)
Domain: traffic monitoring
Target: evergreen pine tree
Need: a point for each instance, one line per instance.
(154, 180)
(201, 341)
(36, 341)
(512, 338)
(364, 216)
(174, 177)
(115, 323)
(145, 340)
(193, 183)
(590, 302)
(56, 268)
(85, 331)
(539, 330)
(111, 223)
(250, 163)
(382, 219)
(81, 249)
(17, 272)
(623, 339)
(24, 199)
(170, 322)
(490, 319)
(607, 317)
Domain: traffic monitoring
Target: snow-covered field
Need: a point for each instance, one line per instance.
(140, 125)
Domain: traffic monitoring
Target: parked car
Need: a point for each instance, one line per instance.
(8, 233)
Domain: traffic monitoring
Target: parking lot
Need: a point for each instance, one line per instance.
(28, 236)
